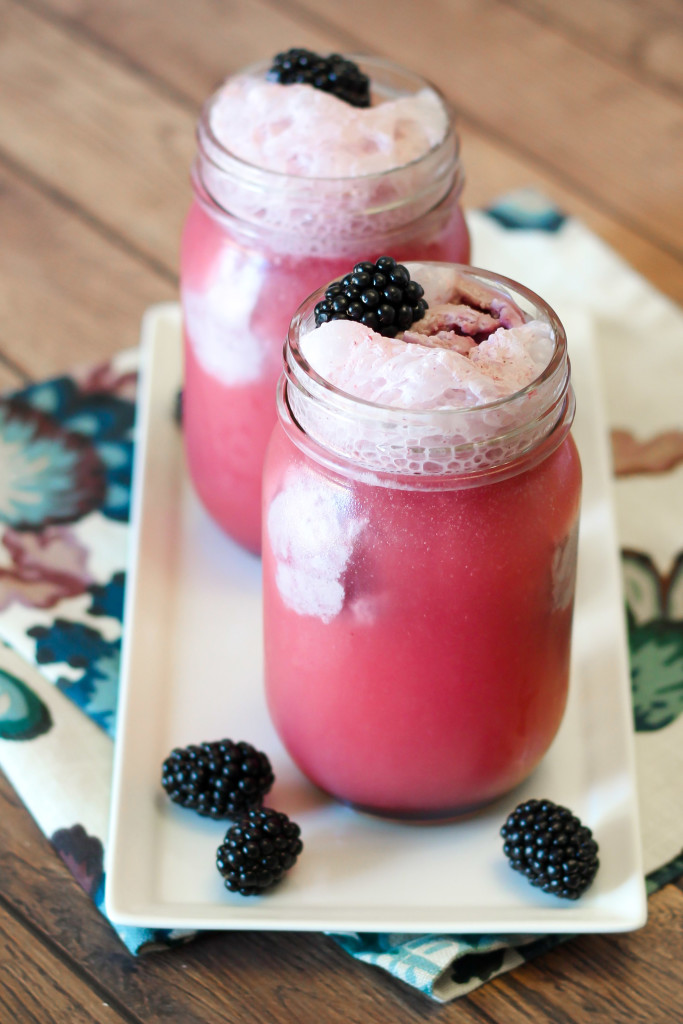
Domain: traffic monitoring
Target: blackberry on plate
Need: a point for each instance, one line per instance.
(257, 851)
(380, 295)
(549, 845)
(219, 780)
(334, 74)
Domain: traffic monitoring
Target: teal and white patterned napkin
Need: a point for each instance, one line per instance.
(66, 448)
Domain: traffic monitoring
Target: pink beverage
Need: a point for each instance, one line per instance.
(291, 186)
(420, 522)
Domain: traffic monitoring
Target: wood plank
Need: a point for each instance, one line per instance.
(670, 8)
(594, 126)
(170, 54)
(617, 978)
(35, 987)
(99, 135)
(10, 378)
(190, 54)
(115, 144)
(647, 42)
(69, 295)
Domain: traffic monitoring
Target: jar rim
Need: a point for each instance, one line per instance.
(497, 437)
(558, 358)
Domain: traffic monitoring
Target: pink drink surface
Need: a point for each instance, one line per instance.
(228, 419)
(422, 671)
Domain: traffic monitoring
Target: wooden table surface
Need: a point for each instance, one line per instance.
(98, 100)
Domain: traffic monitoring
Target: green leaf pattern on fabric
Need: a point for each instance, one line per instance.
(655, 640)
(23, 716)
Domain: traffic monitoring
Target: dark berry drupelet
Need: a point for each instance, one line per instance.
(380, 295)
(334, 74)
(219, 780)
(549, 845)
(257, 851)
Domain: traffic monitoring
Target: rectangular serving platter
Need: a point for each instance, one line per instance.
(192, 670)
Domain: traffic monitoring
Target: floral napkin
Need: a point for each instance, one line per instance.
(66, 449)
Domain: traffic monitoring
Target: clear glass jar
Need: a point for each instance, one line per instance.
(419, 571)
(255, 244)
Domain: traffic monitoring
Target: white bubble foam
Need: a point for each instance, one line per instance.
(217, 320)
(312, 532)
(389, 371)
(465, 395)
(299, 130)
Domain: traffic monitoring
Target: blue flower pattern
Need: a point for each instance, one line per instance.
(526, 210)
(69, 452)
(105, 421)
(50, 475)
(80, 646)
(108, 599)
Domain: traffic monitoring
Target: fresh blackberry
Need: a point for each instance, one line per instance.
(549, 845)
(380, 295)
(334, 74)
(257, 851)
(218, 780)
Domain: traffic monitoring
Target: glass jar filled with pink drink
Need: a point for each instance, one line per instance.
(291, 183)
(420, 522)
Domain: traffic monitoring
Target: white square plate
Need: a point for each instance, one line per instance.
(192, 671)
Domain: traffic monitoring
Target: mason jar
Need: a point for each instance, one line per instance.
(255, 244)
(419, 571)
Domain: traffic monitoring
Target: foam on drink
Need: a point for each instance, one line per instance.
(460, 379)
(412, 375)
(313, 167)
(299, 130)
(311, 559)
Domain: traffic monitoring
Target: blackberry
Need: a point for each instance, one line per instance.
(218, 780)
(257, 851)
(549, 845)
(334, 74)
(380, 295)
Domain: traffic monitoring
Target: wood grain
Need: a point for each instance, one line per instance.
(29, 991)
(625, 979)
(10, 376)
(190, 52)
(493, 169)
(69, 294)
(108, 142)
(646, 39)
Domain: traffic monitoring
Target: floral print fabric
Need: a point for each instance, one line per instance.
(66, 451)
